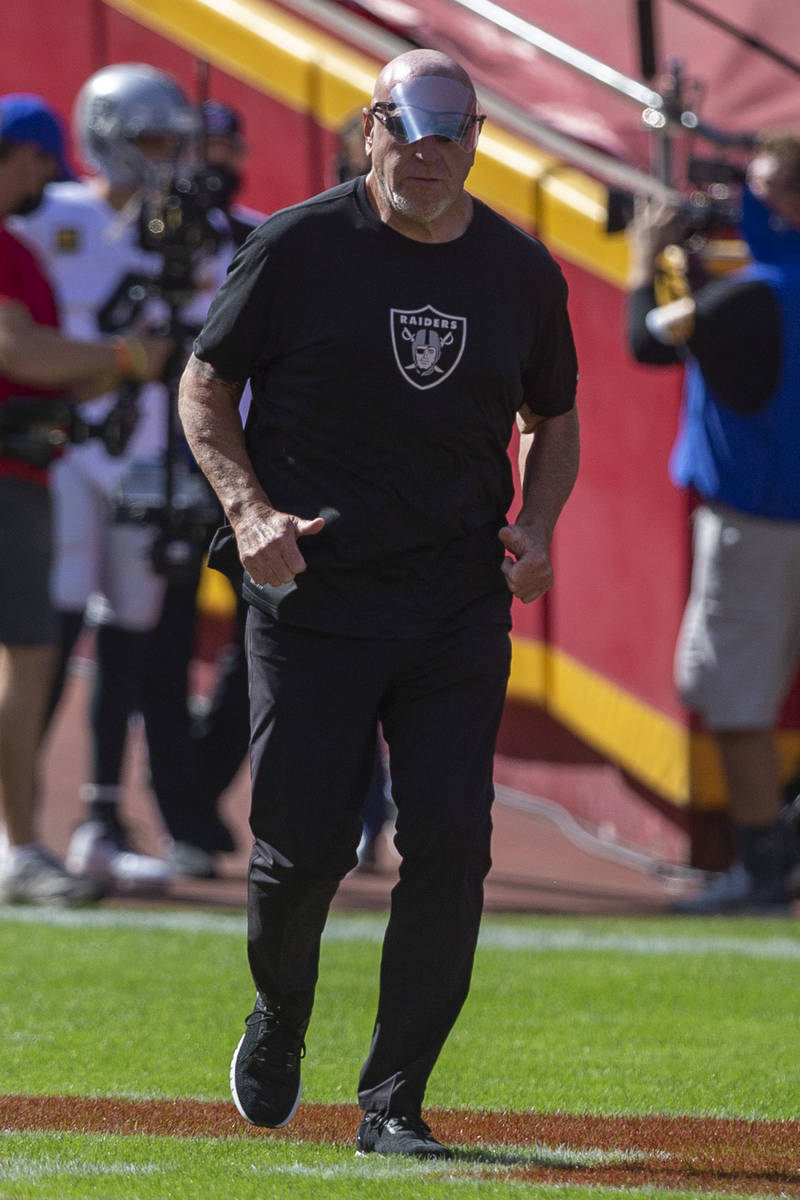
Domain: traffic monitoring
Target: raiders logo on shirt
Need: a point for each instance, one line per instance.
(67, 240)
(427, 344)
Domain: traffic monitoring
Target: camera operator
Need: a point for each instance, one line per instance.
(738, 449)
(210, 746)
(135, 129)
(219, 735)
(37, 365)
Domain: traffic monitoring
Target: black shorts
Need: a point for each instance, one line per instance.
(316, 700)
(26, 613)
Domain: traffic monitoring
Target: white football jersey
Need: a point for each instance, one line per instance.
(93, 258)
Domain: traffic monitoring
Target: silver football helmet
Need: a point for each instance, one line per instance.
(121, 103)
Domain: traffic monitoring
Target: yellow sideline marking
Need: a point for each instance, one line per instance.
(314, 73)
(671, 759)
(528, 679)
(652, 746)
(708, 788)
(215, 596)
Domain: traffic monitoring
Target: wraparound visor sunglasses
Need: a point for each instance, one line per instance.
(430, 107)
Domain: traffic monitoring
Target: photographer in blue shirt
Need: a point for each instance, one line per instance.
(737, 450)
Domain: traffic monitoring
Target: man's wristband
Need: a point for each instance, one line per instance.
(130, 358)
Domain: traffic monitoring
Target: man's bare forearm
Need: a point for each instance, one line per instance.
(549, 461)
(266, 539)
(548, 466)
(209, 410)
(41, 356)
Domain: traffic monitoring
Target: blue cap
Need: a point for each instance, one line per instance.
(28, 118)
(220, 120)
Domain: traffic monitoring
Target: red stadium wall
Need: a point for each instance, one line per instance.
(620, 552)
(596, 654)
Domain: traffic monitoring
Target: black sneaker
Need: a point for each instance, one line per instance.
(385, 1133)
(265, 1071)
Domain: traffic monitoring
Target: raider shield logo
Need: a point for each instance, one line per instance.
(427, 344)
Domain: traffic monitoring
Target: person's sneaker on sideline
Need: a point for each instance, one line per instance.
(735, 892)
(387, 1133)
(31, 875)
(192, 862)
(100, 850)
(265, 1069)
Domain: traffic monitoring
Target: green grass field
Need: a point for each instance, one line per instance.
(571, 1015)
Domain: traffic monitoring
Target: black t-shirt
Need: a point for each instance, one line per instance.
(385, 376)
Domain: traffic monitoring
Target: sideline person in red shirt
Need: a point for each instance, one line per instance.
(36, 362)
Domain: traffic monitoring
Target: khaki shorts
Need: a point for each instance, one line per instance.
(97, 562)
(739, 643)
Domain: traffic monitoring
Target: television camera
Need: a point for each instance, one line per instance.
(708, 216)
(179, 221)
(36, 430)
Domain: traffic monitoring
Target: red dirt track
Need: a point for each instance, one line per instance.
(694, 1154)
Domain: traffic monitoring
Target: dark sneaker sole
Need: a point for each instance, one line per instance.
(430, 1155)
(238, 1103)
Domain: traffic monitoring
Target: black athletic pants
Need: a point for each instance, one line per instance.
(315, 703)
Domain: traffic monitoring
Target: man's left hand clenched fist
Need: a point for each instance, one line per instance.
(527, 566)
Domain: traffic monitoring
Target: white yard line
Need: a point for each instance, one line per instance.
(368, 928)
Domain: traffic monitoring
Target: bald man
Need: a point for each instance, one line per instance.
(393, 329)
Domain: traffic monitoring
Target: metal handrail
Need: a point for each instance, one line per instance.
(599, 71)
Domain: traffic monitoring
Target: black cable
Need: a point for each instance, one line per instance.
(747, 38)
